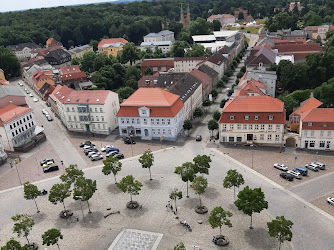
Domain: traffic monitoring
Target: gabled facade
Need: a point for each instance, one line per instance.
(157, 65)
(187, 64)
(23, 50)
(79, 51)
(51, 42)
(224, 19)
(72, 74)
(111, 46)
(261, 58)
(57, 57)
(164, 35)
(12, 95)
(268, 78)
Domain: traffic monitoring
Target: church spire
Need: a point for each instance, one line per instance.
(188, 9)
(181, 9)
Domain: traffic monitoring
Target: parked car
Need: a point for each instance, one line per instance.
(296, 174)
(111, 149)
(47, 160)
(313, 167)
(129, 141)
(50, 168)
(27, 91)
(281, 166)
(198, 137)
(93, 153)
(96, 157)
(88, 146)
(20, 83)
(85, 143)
(217, 136)
(35, 99)
(287, 176)
(106, 147)
(112, 153)
(301, 170)
(45, 112)
(330, 200)
(119, 156)
(49, 118)
(321, 165)
(31, 95)
(86, 151)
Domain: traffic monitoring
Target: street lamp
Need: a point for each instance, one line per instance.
(131, 143)
(18, 174)
(252, 154)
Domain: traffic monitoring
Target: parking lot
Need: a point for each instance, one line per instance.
(323, 205)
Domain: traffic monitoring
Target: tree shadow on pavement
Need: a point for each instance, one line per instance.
(152, 184)
(39, 217)
(211, 193)
(91, 220)
(259, 238)
(190, 202)
(113, 189)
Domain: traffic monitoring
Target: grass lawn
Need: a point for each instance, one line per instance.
(253, 30)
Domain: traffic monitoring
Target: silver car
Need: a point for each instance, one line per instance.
(313, 167)
(321, 165)
(96, 157)
(281, 166)
(295, 174)
(93, 153)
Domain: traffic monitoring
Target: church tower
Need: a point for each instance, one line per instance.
(185, 21)
(188, 16)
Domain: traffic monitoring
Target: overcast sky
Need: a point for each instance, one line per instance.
(12, 5)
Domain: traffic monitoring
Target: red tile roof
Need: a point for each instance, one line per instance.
(176, 59)
(261, 46)
(11, 112)
(307, 47)
(307, 105)
(204, 78)
(251, 86)
(112, 40)
(160, 102)
(213, 17)
(318, 115)
(227, 16)
(281, 42)
(73, 76)
(52, 42)
(70, 69)
(168, 62)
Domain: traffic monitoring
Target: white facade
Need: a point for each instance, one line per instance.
(3, 154)
(164, 35)
(18, 131)
(148, 127)
(164, 46)
(317, 139)
(194, 101)
(268, 78)
(186, 64)
(23, 54)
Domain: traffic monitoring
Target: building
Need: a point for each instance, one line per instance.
(185, 21)
(72, 74)
(23, 50)
(17, 126)
(261, 58)
(51, 42)
(237, 12)
(164, 35)
(12, 95)
(79, 51)
(294, 5)
(206, 80)
(164, 46)
(39, 78)
(218, 62)
(316, 130)
(3, 154)
(307, 105)
(3, 80)
(157, 65)
(57, 57)
(250, 87)
(187, 64)
(211, 73)
(253, 119)
(268, 78)
(285, 34)
(299, 51)
(111, 46)
(279, 58)
(92, 111)
(224, 19)
(151, 113)
(164, 80)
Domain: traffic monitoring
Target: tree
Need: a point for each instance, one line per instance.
(280, 229)
(251, 201)
(31, 192)
(9, 62)
(216, 25)
(222, 103)
(219, 217)
(180, 246)
(84, 190)
(52, 236)
(318, 40)
(146, 160)
(175, 195)
(59, 192)
(206, 103)
(214, 93)
(94, 44)
(198, 51)
(178, 49)
(13, 245)
(22, 225)
(148, 71)
(71, 174)
(130, 53)
(187, 125)
(199, 185)
(202, 163)
(111, 165)
(198, 112)
(188, 173)
(130, 185)
(241, 16)
(212, 125)
(216, 115)
(233, 179)
(221, 84)
(125, 92)
(87, 61)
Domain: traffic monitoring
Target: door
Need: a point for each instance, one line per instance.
(306, 144)
(87, 127)
(249, 137)
(328, 144)
(146, 132)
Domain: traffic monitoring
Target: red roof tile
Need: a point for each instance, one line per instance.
(168, 62)
(204, 78)
(318, 115)
(72, 76)
(307, 47)
(70, 69)
(307, 105)
(11, 112)
(112, 40)
(250, 87)
(176, 59)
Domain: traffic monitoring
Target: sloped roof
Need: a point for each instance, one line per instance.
(11, 112)
(186, 86)
(267, 53)
(52, 42)
(70, 69)
(307, 105)
(318, 115)
(21, 46)
(251, 86)
(306, 47)
(161, 33)
(10, 91)
(111, 41)
(58, 54)
(208, 70)
(168, 62)
(204, 78)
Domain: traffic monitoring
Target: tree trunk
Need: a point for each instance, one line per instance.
(115, 179)
(175, 207)
(200, 202)
(89, 208)
(187, 190)
(28, 241)
(64, 205)
(36, 206)
(131, 197)
(251, 227)
(82, 210)
(58, 245)
(149, 169)
(220, 230)
(234, 192)
(279, 245)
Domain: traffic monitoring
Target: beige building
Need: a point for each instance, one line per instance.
(186, 64)
(79, 51)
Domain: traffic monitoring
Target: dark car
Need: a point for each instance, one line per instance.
(111, 149)
(129, 141)
(119, 156)
(86, 151)
(47, 160)
(287, 176)
(217, 136)
(85, 143)
(50, 168)
(198, 137)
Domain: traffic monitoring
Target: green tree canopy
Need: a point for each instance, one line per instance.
(180, 246)
(175, 195)
(202, 163)
(13, 245)
(188, 173)
(51, 237)
(125, 92)
(71, 174)
(219, 217)
(216, 115)
(23, 223)
(199, 184)
(212, 125)
(31, 192)
(111, 165)
(187, 125)
(59, 192)
(130, 53)
(9, 62)
(129, 185)
(146, 160)
(84, 189)
(233, 179)
(198, 112)
(280, 229)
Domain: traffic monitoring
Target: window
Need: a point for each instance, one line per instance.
(90, 110)
(169, 132)
(309, 124)
(92, 119)
(322, 144)
(270, 127)
(231, 126)
(250, 126)
(329, 133)
(163, 121)
(133, 120)
(224, 126)
(24, 119)
(262, 126)
(68, 109)
(312, 143)
(75, 118)
(168, 121)
(104, 126)
(153, 131)
(256, 117)
(102, 118)
(163, 131)
(98, 125)
(152, 121)
(239, 138)
(143, 112)
(278, 127)
(158, 131)
(245, 126)
(231, 117)
(269, 137)
(321, 133)
(305, 132)
(13, 134)
(239, 126)
(231, 138)
(256, 126)
(93, 126)
(271, 117)
(138, 131)
(145, 121)
(246, 117)
(158, 121)
(124, 131)
(155, 68)
(72, 109)
(276, 137)
(69, 117)
(312, 132)
(261, 137)
(101, 110)
(138, 121)
(95, 109)
(163, 68)
(10, 126)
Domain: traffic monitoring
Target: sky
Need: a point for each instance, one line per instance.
(14, 5)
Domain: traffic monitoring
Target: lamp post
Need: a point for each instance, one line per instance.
(18, 174)
(252, 154)
(131, 143)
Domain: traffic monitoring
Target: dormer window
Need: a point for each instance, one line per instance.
(271, 117)
(246, 117)
(256, 117)
(309, 124)
(231, 117)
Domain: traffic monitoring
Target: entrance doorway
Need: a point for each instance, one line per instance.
(146, 132)
(306, 144)
(249, 137)
(290, 142)
(87, 128)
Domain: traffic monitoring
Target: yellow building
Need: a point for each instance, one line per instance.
(78, 52)
(111, 46)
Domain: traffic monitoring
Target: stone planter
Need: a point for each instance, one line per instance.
(220, 240)
(201, 210)
(65, 214)
(132, 204)
(32, 246)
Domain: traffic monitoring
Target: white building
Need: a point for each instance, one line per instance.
(268, 78)
(253, 119)
(86, 110)
(316, 129)
(3, 154)
(151, 113)
(224, 19)
(164, 46)
(186, 64)
(23, 50)
(17, 126)
(164, 35)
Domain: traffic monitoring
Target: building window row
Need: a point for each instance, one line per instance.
(322, 133)
(256, 117)
(251, 127)
(22, 129)
(20, 122)
(153, 121)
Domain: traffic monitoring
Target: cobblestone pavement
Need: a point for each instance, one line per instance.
(95, 231)
(323, 205)
(264, 159)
